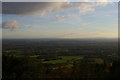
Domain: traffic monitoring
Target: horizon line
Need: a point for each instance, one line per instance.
(59, 38)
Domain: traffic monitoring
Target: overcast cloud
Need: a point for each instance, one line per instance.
(43, 8)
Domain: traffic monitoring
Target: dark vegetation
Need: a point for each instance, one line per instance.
(60, 59)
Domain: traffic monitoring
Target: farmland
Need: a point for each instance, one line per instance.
(67, 59)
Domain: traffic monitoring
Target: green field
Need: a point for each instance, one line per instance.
(65, 59)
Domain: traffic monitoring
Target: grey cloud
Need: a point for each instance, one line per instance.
(25, 8)
(43, 8)
(11, 24)
(0, 7)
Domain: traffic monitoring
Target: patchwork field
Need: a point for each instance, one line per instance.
(64, 59)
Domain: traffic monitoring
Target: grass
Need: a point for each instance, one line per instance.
(34, 56)
(71, 57)
(55, 61)
(65, 59)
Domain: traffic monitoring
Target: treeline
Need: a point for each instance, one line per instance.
(27, 68)
(61, 48)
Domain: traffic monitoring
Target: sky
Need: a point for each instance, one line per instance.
(59, 20)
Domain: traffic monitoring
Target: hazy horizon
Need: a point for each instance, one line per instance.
(59, 38)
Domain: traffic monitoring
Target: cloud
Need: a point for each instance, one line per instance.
(26, 8)
(43, 8)
(61, 18)
(60, 0)
(11, 24)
